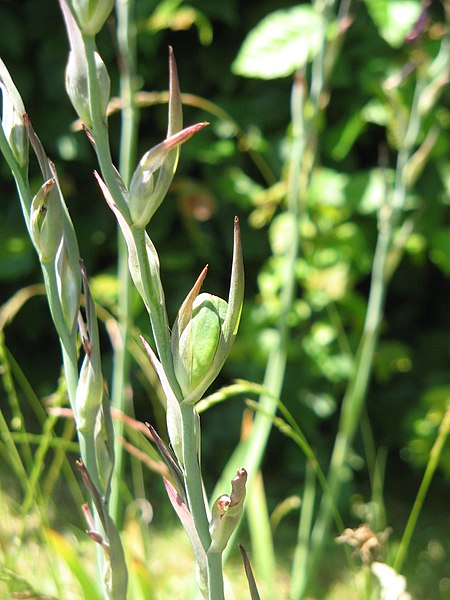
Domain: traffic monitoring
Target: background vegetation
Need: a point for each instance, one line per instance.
(238, 166)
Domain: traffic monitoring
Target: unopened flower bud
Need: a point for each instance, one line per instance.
(14, 130)
(77, 85)
(154, 174)
(69, 282)
(91, 14)
(77, 81)
(46, 221)
(205, 329)
(196, 345)
(12, 117)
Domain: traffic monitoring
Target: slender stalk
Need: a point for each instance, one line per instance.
(192, 475)
(100, 130)
(251, 455)
(433, 461)
(355, 395)
(215, 577)
(299, 571)
(153, 295)
(353, 401)
(196, 500)
(128, 141)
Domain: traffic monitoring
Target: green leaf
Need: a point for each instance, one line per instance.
(394, 18)
(280, 44)
(75, 564)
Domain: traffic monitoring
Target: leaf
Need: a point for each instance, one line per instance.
(189, 526)
(250, 577)
(281, 43)
(394, 19)
(75, 564)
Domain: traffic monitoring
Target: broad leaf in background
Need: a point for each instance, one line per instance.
(281, 43)
(394, 19)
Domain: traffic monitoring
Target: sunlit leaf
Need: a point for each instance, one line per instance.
(394, 18)
(281, 43)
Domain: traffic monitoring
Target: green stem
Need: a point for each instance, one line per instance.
(128, 142)
(251, 454)
(100, 130)
(299, 571)
(153, 296)
(355, 394)
(192, 474)
(433, 461)
(353, 401)
(215, 577)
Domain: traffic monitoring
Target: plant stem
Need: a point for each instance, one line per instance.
(433, 461)
(192, 474)
(355, 394)
(215, 577)
(128, 141)
(100, 130)
(299, 571)
(196, 499)
(251, 453)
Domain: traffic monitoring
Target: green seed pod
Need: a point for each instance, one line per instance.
(91, 14)
(195, 346)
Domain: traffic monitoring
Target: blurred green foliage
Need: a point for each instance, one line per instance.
(236, 167)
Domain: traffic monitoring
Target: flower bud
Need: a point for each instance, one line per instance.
(147, 191)
(77, 86)
(69, 281)
(196, 345)
(12, 118)
(153, 176)
(46, 221)
(205, 329)
(91, 14)
(77, 80)
(226, 513)
(14, 130)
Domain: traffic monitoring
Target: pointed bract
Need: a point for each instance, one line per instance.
(205, 330)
